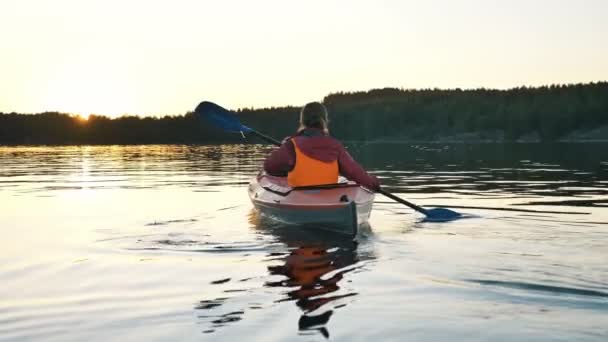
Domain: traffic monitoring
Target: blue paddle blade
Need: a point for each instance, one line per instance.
(441, 215)
(220, 117)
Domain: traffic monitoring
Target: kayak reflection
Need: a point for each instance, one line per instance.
(313, 269)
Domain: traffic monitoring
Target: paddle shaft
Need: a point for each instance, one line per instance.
(265, 137)
(402, 201)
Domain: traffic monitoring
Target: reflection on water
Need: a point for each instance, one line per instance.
(307, 270)
(507, 171)
(311, 272)
(124, 167)
(528, 174)
(161, 243)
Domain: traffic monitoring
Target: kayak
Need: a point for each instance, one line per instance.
(339, 207)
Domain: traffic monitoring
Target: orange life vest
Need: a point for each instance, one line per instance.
(309, 171)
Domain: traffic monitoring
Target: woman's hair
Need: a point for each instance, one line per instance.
(314, 115)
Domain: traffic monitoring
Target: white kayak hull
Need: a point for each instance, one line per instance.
(338, 207)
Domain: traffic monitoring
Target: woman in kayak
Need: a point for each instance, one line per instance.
(313, 157)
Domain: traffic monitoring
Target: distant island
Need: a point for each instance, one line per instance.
(574, 112)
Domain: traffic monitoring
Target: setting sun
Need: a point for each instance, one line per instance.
(83, 117)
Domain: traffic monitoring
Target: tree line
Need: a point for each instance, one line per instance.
(547, 113)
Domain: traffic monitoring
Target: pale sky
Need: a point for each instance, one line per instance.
(164, 57)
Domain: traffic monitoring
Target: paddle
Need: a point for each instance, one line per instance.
(224, 119)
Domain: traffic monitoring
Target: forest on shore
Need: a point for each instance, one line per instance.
(547, 113)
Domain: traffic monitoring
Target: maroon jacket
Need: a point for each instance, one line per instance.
(315, 144)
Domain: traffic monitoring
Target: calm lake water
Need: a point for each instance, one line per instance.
(160, 243)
